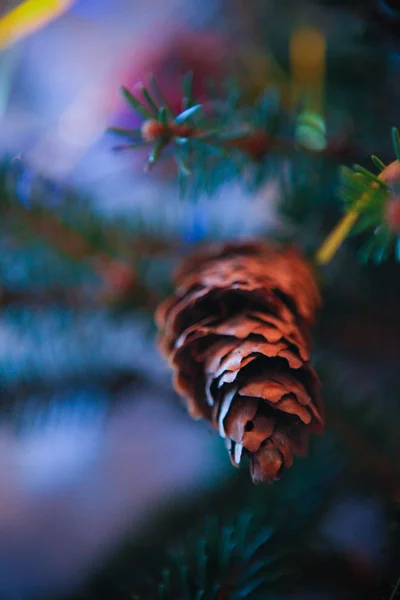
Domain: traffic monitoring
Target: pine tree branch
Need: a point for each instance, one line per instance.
(49, 227)
(367, 197)
(70, 228)
(61, 296)
(226, 561)
(247, 541)
(258, 134)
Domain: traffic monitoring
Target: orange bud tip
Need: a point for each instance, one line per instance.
(152, 130)
(392, 214)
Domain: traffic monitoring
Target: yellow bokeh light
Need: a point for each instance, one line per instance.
(28, 17)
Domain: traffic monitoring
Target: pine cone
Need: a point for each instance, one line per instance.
(236, 335)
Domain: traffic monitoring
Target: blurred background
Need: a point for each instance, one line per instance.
(95, 447)
(76, 478)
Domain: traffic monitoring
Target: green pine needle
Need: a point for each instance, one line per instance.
(187, 86)
(132, 146)
(396, 142)
(147, 96)
(131, 133)
(368, 174)
(377, 162)
(135, 104)
(183, 167)
(155, 154)
(187, 114)
(157, 93)
(162, 115)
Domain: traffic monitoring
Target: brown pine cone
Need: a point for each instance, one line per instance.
(236, 335)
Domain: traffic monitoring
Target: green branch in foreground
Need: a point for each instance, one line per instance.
(366, 197)
(225, 562)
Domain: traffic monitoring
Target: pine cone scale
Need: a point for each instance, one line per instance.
(241, 412)
(258, 430)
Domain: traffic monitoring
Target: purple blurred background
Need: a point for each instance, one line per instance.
(74, 486)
